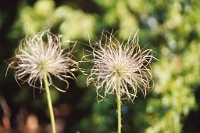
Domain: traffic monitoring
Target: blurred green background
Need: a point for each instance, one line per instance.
(171, 28)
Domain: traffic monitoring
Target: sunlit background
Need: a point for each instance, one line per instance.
(170, 27)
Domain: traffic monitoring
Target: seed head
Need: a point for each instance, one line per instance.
(41, 55)
(123, 63)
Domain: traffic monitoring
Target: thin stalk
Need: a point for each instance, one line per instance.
(49, 104)
(119, 106)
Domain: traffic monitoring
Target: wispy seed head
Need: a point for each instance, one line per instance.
(41, 55)
(123, 63)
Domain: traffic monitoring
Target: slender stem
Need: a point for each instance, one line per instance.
(49, 104)
(119, 106)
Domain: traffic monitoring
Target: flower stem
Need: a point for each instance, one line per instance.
(119, 106)
(49, 104)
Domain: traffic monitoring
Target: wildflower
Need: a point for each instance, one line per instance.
(120, 65)
(42, 55)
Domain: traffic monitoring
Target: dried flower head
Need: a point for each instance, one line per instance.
(116, 63)
(41, 55)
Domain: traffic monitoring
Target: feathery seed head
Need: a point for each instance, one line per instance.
(126, 64)
(42, 55)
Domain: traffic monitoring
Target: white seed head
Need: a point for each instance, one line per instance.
(41, 55)
(115, 62)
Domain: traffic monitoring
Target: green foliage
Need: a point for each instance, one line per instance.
(173, 96)
(171, 28)
(101, 119)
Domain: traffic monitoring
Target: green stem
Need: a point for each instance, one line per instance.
(119, 106)
(49, 104)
